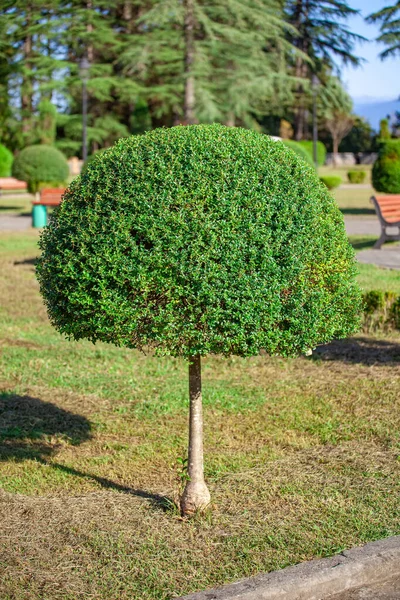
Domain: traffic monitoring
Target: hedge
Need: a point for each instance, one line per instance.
(6, 161)
(300, 151)
(356, 176)
(308, 145)
(381, 310)
(331, 181)
(386, 169)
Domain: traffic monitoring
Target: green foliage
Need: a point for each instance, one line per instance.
(356, 176)
(389, 30)
(40, 166)
(381, 310)
(384, 131)
(300, 150)
(361, 137)
(46, 122)
(386, 169)
(200, 239)
(331, 181)
(90, 159)
(321, 150)
(6, 161)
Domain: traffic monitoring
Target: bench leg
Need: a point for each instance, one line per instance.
(39, 216)
(378, 244)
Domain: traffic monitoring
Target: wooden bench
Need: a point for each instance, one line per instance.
(48, 197)
(388, 211)
(10, 183)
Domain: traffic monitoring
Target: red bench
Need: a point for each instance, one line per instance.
(48, 197)
(10, 183)
(388, 211)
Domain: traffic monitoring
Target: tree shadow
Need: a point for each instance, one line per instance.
(358, 211)
(360, 350)
(363, 243)
(31, 429)
(27, 261)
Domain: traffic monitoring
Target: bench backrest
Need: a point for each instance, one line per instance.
(10, 183)
(51, 195)
(388, 207)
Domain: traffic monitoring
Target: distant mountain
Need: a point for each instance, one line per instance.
(375, 109)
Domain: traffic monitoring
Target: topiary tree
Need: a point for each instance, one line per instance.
(199, 240)
(386, 169)
(6, 161)
(39, 166)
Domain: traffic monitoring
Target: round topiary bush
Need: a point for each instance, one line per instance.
(356, 176)
(308, 145)
(41, 166)
(386, 169)
(91, 158)
(331, 181)
(6, 161)
(196, 240)
(300, 151)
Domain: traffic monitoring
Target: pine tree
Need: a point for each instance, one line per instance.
(389, 17)
(214, 60)
(323, 37)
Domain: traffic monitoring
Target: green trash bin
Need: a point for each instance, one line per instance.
(39, 215)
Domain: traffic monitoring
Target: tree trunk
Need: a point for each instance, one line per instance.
(196, 495)
(27, 84)
(189, 101)
(230, 120)
(335, 148)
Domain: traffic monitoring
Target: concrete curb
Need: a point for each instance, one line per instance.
(316, 579)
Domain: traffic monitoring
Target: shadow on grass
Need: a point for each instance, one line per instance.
(358, 211)
(27, 261)
(31, 429)
(361, 350)
(363, 243)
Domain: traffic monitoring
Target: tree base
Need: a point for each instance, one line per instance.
(195, 498)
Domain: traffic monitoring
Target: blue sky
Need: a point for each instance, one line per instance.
(375, 79)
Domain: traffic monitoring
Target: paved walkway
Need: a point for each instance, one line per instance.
(388, 256)
(14, 222)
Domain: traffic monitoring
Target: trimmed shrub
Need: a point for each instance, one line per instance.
(381, 310)
(6, 161)
(200, 239)
(308, 145)
(386, 169)
(356, 176)
(196, 240)
(91, 158)
(41, 166)
(299, 150)
(331, 181)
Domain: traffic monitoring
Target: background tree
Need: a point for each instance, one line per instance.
(384, 131)
(335, 108)
(389, 17)
(361, 138)
(212, 265)
(323, 37)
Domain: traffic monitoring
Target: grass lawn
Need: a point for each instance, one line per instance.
(15, 203)
(302, 457)
(343, 170)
